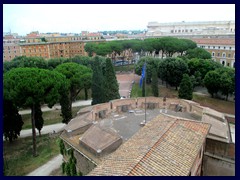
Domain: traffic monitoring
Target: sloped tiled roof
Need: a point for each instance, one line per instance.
(214, 41)
(164, 146)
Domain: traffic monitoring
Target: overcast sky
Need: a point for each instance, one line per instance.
(66, 18)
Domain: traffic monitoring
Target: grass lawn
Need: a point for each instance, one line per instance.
(163, 91)
(50, 117)
(217, 104)
(18, 159)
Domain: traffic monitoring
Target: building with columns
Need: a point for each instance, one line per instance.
(190, 28)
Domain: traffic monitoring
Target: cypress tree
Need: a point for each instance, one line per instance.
(110, 82)
(154, 82)
(98, 94)
(38, 118)
(186, 88)
(65, 103)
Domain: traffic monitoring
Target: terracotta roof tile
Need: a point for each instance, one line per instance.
(165, 146)
(215, 41)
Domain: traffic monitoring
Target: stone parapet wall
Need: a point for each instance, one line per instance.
(131, 103)
(100, 110)
(157, 100)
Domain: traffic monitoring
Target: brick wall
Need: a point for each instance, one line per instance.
(220, 148)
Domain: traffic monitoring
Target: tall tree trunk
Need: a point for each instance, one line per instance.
(86, 93)
(33, 131)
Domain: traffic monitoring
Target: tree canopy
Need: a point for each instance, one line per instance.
(199, 53)
(12, 121)
(29, 87)
(171, 70)
(78, 77)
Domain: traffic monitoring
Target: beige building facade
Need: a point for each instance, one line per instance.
(221, 49)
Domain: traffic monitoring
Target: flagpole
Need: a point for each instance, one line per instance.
(145, 92)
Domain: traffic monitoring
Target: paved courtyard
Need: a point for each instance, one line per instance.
(128, 123)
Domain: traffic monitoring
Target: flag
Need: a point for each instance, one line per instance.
(143, 74)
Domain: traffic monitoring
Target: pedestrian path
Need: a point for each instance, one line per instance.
(45, 130)
(45, 108)
(46, 169)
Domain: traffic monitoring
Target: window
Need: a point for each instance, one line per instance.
(186, 30)
(208, 47)
(213, 54)
(179, 30)
(229, 55)
(224, 55)
(224, 47)
(218, 54)
(227, 64)
(223, 63)
(230, 48)
(219, 47)
(213, 47)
